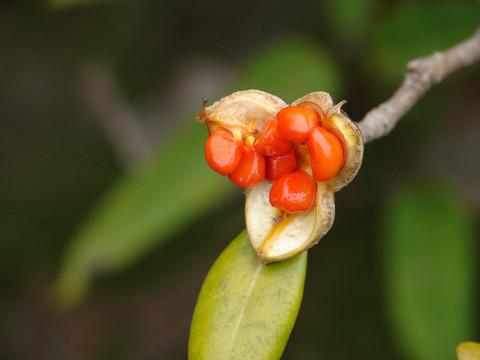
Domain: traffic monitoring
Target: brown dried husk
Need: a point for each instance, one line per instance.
(276, 235)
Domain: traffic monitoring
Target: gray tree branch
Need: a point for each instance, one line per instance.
(421, 75)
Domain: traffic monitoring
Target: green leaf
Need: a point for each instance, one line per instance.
(173, 188)
(429, 269)
(349, 19)
(291, 67)
(246, 310)
(418, 28)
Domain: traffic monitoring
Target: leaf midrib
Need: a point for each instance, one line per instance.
(247, 298)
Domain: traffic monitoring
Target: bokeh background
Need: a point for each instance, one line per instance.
(110, 217)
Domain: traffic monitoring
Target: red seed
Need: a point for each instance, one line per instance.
(250, 170)
(294, 192)
(326, 153)
(223, 152)
(271, 142)
(279, 165)
(297, 122)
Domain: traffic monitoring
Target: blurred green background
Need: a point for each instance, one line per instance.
(110, 217)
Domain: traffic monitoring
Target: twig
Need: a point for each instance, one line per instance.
(421, 74)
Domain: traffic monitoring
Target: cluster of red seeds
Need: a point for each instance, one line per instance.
(272, 156)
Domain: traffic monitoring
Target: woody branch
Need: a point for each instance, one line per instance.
(421, 75)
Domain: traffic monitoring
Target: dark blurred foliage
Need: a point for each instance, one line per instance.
(67, 72)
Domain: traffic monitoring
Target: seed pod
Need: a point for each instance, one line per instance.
(277, 235)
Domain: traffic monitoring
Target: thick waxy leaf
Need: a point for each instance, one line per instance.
(429, 268)
(141, 211)
(246, 310)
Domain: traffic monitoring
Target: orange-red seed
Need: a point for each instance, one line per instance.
(250, 170)
(223, 152)
(297, 122)
(271, 142)
(294, 192)
(279, 165)
(326, 153)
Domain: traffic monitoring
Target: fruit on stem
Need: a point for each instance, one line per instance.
(286, 215)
